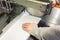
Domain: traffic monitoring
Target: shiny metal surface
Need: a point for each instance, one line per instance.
(54, 17)
(36, 12)
(31, 3)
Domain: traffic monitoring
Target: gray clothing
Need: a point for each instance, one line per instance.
(47, 33)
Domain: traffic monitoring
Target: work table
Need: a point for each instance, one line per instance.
(14, 31)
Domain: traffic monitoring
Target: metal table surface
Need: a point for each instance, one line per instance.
(14, 31)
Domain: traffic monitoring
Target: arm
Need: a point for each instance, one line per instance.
(39, 32)
(47, 33)
(33, 29)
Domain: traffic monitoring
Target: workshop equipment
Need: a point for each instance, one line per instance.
(12, 8)
(50, 15)
(51, 19)
(34, 7)
(8, 11)
(43, 8)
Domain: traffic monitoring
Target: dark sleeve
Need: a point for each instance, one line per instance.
(47, 33)
(52, 34)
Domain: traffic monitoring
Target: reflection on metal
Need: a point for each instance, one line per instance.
(54, 17)
(8, 11)
(31, 3)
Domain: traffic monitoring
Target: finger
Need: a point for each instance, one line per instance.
(54, 3)
(26, 25)
(26, 29)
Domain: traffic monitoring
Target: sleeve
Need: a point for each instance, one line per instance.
(47, 33)
(38, 32)
(53, 33)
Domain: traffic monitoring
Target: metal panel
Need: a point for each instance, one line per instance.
(32, 4)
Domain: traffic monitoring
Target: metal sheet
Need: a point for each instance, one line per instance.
(31, 3)
(14, 31)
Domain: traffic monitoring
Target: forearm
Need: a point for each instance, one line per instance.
(38, 32)
(46, 32)
(35, 32)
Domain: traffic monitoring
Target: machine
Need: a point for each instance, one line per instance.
(8, 11)
(49, 15)
(43, 9)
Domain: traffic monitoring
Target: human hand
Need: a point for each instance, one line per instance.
(53, 3)
(29, 26)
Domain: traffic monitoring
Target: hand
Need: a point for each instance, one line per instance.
(54, 3)
(29, 26)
